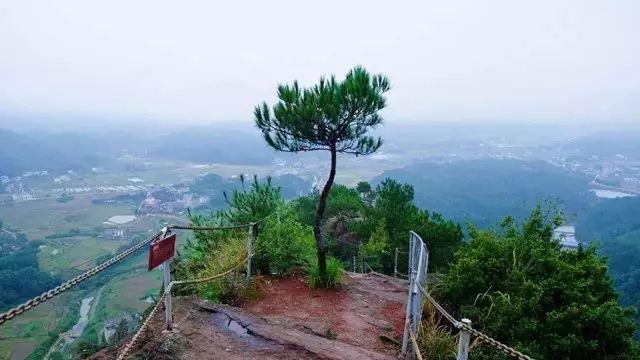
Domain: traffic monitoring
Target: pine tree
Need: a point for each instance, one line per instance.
(333, 116)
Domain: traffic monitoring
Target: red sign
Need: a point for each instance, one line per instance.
(161, 251)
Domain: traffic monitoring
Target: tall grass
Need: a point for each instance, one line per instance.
(204, 260)
(435, 341)
(334, 276)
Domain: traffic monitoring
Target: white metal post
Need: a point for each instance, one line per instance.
(250, 251)
(166, 279)
(407, 319)
(463, 342)
(415, 299)
(395, 265)
(354, 263)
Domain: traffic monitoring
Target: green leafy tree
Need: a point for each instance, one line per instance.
(394, 205)
(333, 116)
(342, 201)
(365, 191)
(519, 286)
(248, 204)
(254, 203)
(284, 244)
(56, 355)
(377, 248)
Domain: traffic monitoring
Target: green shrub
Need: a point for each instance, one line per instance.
(198, 263)
(377, 247)
(284, 244)
(334, 277)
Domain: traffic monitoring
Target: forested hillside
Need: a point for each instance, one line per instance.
(614, 225)
(483, 191)
(514, 280)
(20, 275)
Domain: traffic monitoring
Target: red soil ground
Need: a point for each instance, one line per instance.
(357, 313)
(289, 321)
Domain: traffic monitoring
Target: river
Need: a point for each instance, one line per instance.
(611, 194)
(78, 328)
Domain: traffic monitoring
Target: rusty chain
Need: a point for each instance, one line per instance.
(30, 304)
(11, 313)
(478, 334)
(495, 343)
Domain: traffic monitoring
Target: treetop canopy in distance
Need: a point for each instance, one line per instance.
(332, 115)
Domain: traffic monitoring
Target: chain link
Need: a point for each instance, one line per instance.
(73, 282)
(11, 313)
(481, 336)
(495, 343)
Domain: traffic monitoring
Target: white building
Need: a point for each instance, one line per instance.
(566, 234)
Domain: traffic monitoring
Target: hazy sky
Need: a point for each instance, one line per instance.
(204, 61)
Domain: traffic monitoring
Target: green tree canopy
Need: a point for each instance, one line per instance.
(333, 116)
(342, 201)
(394, 205)
(519, 286)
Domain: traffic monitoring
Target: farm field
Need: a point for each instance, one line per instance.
(75, 254)
(44, 217)
(162, 173)
(21, 335)
(71, 243)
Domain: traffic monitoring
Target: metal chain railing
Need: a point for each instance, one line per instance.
(478, 334)
(496, 344)
(32, 303)
(11, 313)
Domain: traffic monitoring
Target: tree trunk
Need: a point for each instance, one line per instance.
(317, 227)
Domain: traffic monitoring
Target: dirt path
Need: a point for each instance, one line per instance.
(290, 321)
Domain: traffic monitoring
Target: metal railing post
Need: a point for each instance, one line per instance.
(395, 265)
(354, 263)
(166, 280)
(250, 250)
(416, 299)
(463, 341)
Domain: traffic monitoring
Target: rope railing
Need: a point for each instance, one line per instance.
(208, 278)
(167, 292)
(143, 327)
(32, 303)
(414, 344)
(209, 228)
